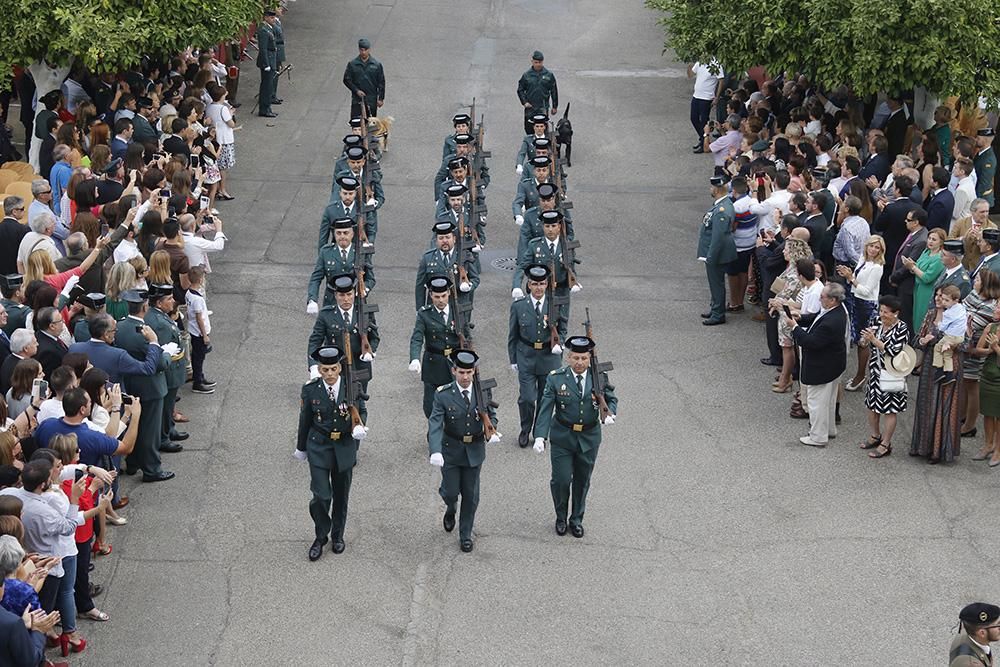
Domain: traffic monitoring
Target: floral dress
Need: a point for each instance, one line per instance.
(791, 292)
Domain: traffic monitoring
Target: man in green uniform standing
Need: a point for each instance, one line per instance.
(536, 89)
(435, 332)
(529, 347)
(328, 442)
(717, 249)
(267, 63)
(135, 337)
(570, 418)
(12, 290)
(370, 194)
(972, 647)
(985, 163)
(457, 440)
(365, 78)
(161, 302)
(279, 54)
(527, 190)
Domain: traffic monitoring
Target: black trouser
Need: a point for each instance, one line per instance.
(700, 111)
(464, 480)
(329, 487)
(356, 107)
(50, 590)
(265, 91)
(198, 352)
(167, 422)
(84, 602)
(274, 84)
(145, 455)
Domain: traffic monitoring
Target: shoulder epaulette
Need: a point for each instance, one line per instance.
(443, 387)
(555, 371)
(423, 308)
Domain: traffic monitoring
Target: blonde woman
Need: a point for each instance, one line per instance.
(138, 263)
(862, 300)
(790, 286)
(159, 269)
(121, 278)
(40, 267)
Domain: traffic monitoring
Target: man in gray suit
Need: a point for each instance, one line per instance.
(913, 245)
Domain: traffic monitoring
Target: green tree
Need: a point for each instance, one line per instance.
(869, 45)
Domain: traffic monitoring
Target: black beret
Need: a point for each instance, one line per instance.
(979, 613)
(537, 55)
(443, 227)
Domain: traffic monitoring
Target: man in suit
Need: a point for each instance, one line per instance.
(941, 202)
(124, 130)
(569, 415)
(49, 324)
(336, 259)
(816, 223)
(267, 63)
(143, 122)
(901, 278)
(45, 157)
(717, 249)
(954, 273)
(850, 170)
(896, 126)
(879, 163)
(161, 302)
(23, 345)
(985, 164)
(890, 222)
(114, 361)
(434, 331)
(329, 441)
(457, 439)
(529, 347)
(971, 648)
(12, 230)
(822, 338)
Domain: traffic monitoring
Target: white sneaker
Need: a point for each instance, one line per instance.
(806, 440)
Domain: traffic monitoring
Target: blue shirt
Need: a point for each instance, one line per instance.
(93, 444)
(59, 179)
(953, 321)
(17, 595)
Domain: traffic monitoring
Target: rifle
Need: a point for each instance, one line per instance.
(481, 388)
(460, 249)
(365, 191)
(597, 370)
(552, 304)
(352, 379)
(362, 253)
(562, 205)
(475, 165)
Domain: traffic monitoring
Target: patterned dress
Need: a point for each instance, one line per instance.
(980, 315)
(876, 400)
(792, 292)
(937, 421)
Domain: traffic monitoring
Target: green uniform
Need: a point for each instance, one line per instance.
(371, 212)
(716, 246)
(150, 390)
(17, 315)
(443, 174)
(335, 209)
(330, 262)
(437, 336)
(570, 420)
(529, 346)
(965, 653)
(441, 208)
(267, 63)
(988, 262)
(325, 436)
(434, 263)
(985, 163)
(166, 331)
(368, 76)
(532, 229)
(539, 252)
(526, 196)
(329, 330)
(456, 432)
(539, 91)
(279, 55)
(959, 279)
(450, 215)
(81, 330)
(527, 150)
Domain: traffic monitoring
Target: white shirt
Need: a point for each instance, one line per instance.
(810, 298)
(196, 304)
(583, 378)
(28, 244)
(539, 303)
(778, 200)
(814, 127)
(221, 115)
(705, 81)
(126, 250)
(336, 388)
(836, 184)
(197, 248)
(964, 194)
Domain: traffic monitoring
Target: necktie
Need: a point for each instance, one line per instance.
(347, 318)
(444, 317)
(4, 338)
(468, 402)
(538, 309)
(552, 248)
(579, 383)
(447, 259)
(331, 390)
(343, 254)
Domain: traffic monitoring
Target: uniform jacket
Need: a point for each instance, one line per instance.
(877, 166)
(17, 315)
(143, 132)
(443, 174)
(279, 41)
(442, 199)
(267, 50)
(538, 89)
(959, 279)
(532, 227)
(147, 387)
(50, 352)
(528, 338)
(716, 243)
(376, 185)
(335, 209)
(437, 340)
(526, 196)
(450, 215)
(991, 264)
(329, 330)
(432, 263)
(115, 361)
(455, 429)
(563, 404)
(366, 76)
(538, 252)
(986, 170)
(824, 345)
(527, 150)
(319, 417)
(964, 653)
(330, 263)
(167, 332)
(11, 233)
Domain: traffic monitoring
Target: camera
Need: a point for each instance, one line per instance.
(126, 399)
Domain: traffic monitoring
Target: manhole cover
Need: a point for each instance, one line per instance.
(505, 263)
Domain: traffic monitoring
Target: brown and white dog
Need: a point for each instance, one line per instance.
(379, 127)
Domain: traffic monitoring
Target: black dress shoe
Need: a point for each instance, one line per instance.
(700, 149)
(161, 476)
(269, 114)
(130, 471)
(316, 550)
(236, 105)
(171, 448)
(577, 530)
(560, 526)
(705, 316)
(179, 436)
(466, 546)
(768, 361)
(278, 101)
(449, 522)
(712, 322)
(522, 440)
(338, 545)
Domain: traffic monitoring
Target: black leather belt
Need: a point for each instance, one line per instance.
(446, 351)
(532, 344)
(577, 427)
(467, 439)
(332, 435)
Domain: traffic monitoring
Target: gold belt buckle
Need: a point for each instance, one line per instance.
(577, 427)
(538, 346)
(447, 351)
(466, 438)
(335, 436)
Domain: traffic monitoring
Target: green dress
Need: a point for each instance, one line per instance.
(923, 290)
(989, 385)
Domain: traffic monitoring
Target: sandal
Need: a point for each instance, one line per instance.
(872, 442)
(117, 520)
(854, 384)
(180, 418)
(779, 389)
(96, 614)
(100, 549)
(883, 450)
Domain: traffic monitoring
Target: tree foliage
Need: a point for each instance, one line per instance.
(869, 45)
(109, 35)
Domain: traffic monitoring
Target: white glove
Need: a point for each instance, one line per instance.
(70, 284)
(513, 367)
(519, 168)
(313, 372)
(437, 460)
(171, 348)
(494, 439)
(359, 432)
(464, 287)
(576, 288)
(476, 248)
(610, 419)
(299, 455)
(371, 202)
(539, 445)
(518, 220)
(367, 356)
(312, 308)
(267, 69)
(415, 366)
(517, 293)
(557, 349)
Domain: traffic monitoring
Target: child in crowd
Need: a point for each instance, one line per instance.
(199, 327)
(952, 326)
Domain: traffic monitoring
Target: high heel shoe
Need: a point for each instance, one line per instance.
(969, 434)
(983, 454)
(66, 645)
(779, 389)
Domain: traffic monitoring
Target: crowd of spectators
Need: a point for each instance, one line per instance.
(830, 190)
(103, 320)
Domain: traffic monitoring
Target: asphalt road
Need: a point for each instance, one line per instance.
(713, 537)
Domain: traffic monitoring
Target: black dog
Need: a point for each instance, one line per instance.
(564, 135)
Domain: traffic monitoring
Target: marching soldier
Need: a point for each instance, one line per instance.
(569, 417)
(267, 63)
(717, 249)
(527, 189)
(435, 332)
(972, 647)
(457, 441)
(458, 169)
(161, 303)
(328, 442)
(11, 288)
(374, 196)
(341, 166)
(463, 125)
(335, 259)
(529, 347)
(444, 260)
(543, 148)
(465, 146)
(531, 228)
(343, 205)
(459, 207)
(365, 78)
(548, 251)
(331, 324)
(540, 130)
(535, 89)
